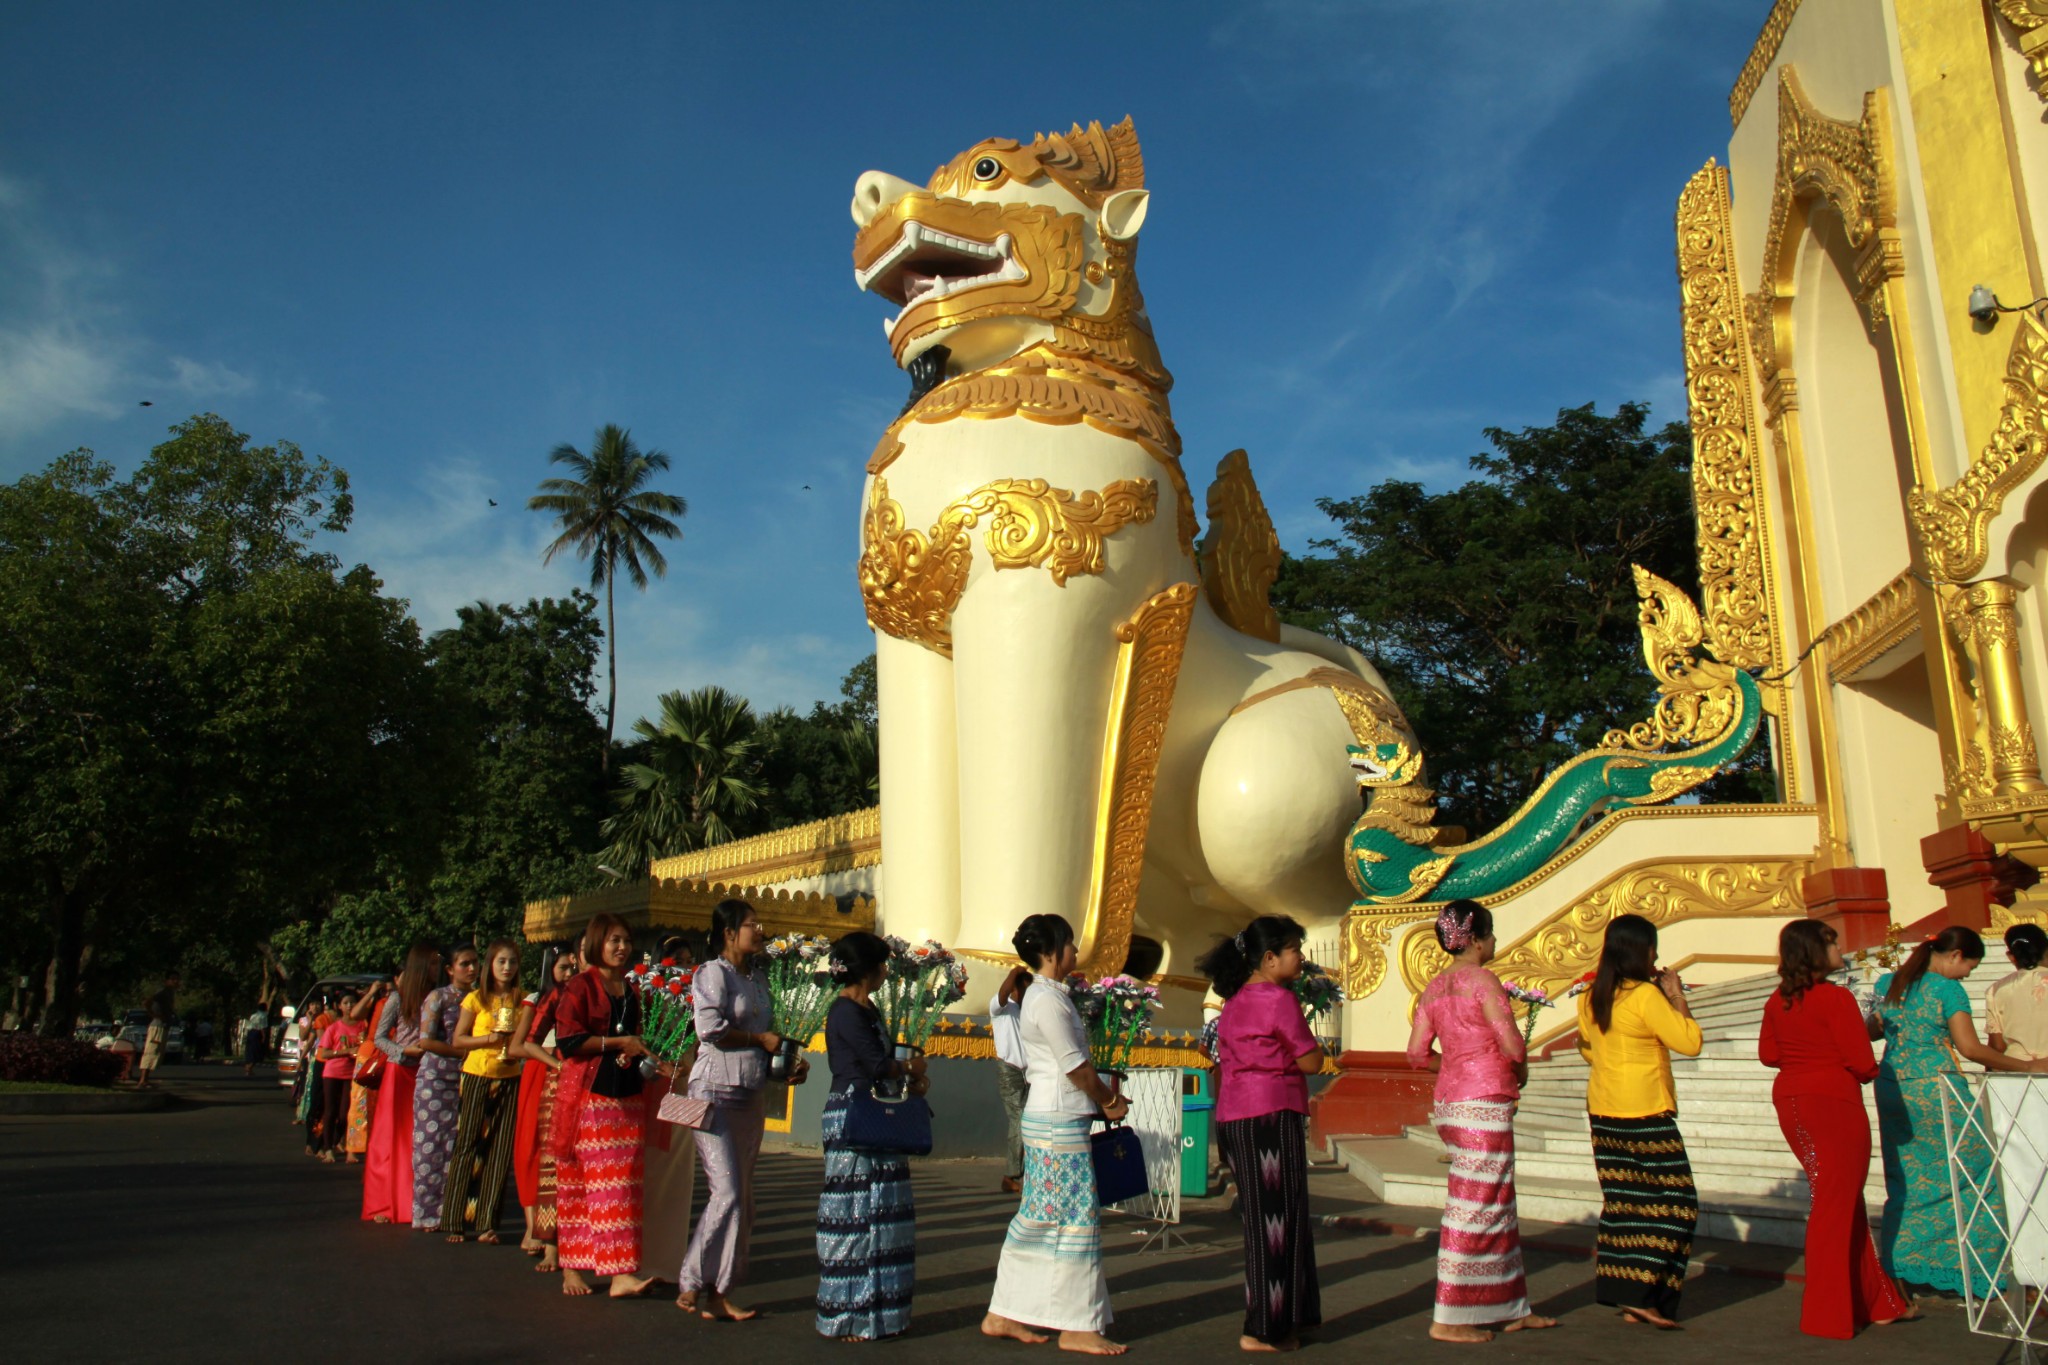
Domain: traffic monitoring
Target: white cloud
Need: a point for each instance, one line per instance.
(207, 379)
(67, 347)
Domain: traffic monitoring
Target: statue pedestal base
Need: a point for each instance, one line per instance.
(1373, 1094)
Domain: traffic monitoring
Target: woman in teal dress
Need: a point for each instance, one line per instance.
(1922, 1012)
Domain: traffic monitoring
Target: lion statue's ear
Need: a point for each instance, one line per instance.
(1123, 213)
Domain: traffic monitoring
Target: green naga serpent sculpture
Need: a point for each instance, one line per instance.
(1709, 707)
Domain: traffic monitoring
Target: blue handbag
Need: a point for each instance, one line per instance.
(1119, 1165)
(887, 1125)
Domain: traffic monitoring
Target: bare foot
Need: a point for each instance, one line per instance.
(687, 1301)
(1091, 1344)
(574, 1283)
(1254, 1344)
(381, 1218)
(630, 1286)
(995, 1326)
(1912, 1314)
(489, 1239)
(713, 1305)
(455, 1238)
(1530, 1323)
(531, 1245)
(1459, 1332)
(549, 1261)
(1651, 1316)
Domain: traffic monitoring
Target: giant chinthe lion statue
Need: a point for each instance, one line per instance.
(1080, 713)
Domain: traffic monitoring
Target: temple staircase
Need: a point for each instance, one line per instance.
(1750, 1185)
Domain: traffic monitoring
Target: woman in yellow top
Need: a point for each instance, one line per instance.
(1630, 1022)
(485, 1126)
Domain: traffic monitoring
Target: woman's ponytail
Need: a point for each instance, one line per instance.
(1955, 938)
(1233, 960)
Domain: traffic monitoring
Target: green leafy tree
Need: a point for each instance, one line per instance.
(609, 516)
(210, 726)
(517, 683)
(697, 774)
(1503, 612)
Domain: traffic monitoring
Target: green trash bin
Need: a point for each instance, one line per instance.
(1197, 1112)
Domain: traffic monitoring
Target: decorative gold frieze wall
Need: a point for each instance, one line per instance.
(1954, 523)
(660, 903)
(1563, 947)
(1761, 55)
(2030, 17)
(838, 843)
(1888, 619)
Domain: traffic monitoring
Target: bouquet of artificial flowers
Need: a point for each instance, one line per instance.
(799, 985)
(1117, 1011)
(668, 1008)
(1317, 990)
(1534, 1000)
(923, 979)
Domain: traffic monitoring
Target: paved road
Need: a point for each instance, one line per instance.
(203, 1233)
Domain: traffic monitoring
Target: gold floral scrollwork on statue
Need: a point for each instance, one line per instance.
(1422, 958)
(1149, 649)
(1955, 523)
(2030, 18)
(1365, 954)
(1735, 583)
(1241, 557)
(912, 580)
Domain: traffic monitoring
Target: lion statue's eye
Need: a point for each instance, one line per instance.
(988, 168)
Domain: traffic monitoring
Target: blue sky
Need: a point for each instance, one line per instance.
(429, 242)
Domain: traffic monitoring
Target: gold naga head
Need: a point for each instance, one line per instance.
(1011, 245)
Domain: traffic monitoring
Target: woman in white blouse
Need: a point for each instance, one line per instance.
(1050, 1274)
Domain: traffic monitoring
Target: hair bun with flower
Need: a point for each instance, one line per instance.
(1456, 933)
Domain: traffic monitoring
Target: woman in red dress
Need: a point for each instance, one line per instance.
(1814, 1034)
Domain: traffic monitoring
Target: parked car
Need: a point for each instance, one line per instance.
(136, 1022)
(326, 991)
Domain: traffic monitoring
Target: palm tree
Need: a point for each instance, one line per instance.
(608, 516)
(699, 774)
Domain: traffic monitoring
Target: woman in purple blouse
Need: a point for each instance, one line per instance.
(1265, 1055)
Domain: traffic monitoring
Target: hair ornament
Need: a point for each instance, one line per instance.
(1457, 934)
(1239, 941)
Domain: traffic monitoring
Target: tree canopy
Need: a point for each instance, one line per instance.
(1503, 612)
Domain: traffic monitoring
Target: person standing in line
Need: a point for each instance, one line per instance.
(1814, 1036)
(1010, 1080)
(599, 1118)
(362, 1099)
(437, 1092)
(2016, 1008)
(336, 1053)
(1923, 1013)
(306, 1080)
(735, 1039)
(533, 1040)
(387, 1166)
(1630, 1022)
(255, 1033)
(1050, 1273)
(163, 1009)
(489, 1100)
(1265, 1054)
(670, 1174)
(1465, 1010)
(867, 1216)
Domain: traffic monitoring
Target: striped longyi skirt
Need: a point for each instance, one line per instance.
(1479, 1276)
(1648, 1211)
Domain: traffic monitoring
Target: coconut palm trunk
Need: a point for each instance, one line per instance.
(607, 515)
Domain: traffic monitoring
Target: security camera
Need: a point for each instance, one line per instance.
(1983, 304)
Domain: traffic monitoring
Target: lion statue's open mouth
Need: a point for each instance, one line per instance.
(924, 264)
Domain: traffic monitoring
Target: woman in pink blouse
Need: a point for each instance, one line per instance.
(1264, 1057)
(1465, 1011)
